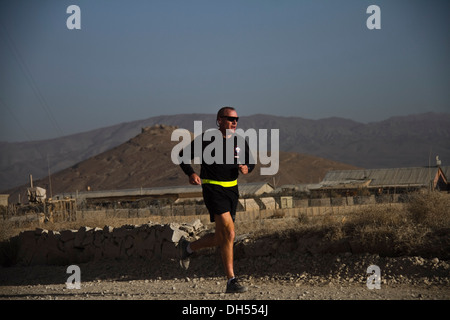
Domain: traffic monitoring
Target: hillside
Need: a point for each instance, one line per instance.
(144, 161)
(396, 142)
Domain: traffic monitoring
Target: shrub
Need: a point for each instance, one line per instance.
(431, 209)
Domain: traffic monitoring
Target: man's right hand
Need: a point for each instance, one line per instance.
(195, 179)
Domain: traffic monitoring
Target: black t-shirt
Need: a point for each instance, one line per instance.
(219, 170)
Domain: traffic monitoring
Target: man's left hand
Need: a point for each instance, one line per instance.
(243, 168)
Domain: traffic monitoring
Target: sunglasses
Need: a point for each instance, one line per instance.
(231, 119)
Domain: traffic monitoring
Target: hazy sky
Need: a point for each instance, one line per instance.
(133, 60)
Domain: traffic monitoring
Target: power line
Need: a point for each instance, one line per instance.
(32, 82)
(4, 105)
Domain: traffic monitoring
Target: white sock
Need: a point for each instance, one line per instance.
(188, 248)
(229, 280)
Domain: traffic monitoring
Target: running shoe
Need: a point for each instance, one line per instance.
(234, 287)
(184, 255)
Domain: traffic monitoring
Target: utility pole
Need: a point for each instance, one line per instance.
(49, 178)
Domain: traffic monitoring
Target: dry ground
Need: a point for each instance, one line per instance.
(335, 277)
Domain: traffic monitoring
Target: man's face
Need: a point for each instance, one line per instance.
(225, 124)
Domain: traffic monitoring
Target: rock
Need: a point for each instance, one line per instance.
(27, 246)
(98, 238)
(187, 228)
(88, 238)
(111, 250)
(56, 256)
(169, 250)
(67, 235)
(172, 232)
(128, 242)
(40, 231)
(79, 236)
(108, 230)
(41, 251)
(197, 224)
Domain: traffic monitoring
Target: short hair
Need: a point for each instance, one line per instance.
(222, 110)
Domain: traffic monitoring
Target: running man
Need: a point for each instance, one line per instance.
(220, 194)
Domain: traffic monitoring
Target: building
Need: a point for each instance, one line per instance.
(385, 181)
(301, 188)
(176, 193)
(137, 194)
(4, 199)
(255, 189)
(446, 172)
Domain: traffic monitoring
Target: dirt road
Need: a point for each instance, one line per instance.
(282, 277)
(278, 286)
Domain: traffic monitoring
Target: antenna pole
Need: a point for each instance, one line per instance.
(429, 174)
(49, 178)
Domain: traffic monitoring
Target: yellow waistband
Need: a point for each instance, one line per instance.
(220, 183)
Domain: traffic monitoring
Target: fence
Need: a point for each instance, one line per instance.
(169, 215)
(248, 208)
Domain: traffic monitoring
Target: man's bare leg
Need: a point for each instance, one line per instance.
(223, 237)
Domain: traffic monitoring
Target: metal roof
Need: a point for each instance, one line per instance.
(255, 188)
(244, 188)
(305, 187)
(140, 191)
(415, 176)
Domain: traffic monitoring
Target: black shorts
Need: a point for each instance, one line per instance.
(219, 200)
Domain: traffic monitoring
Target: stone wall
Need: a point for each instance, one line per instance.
(149, 241)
